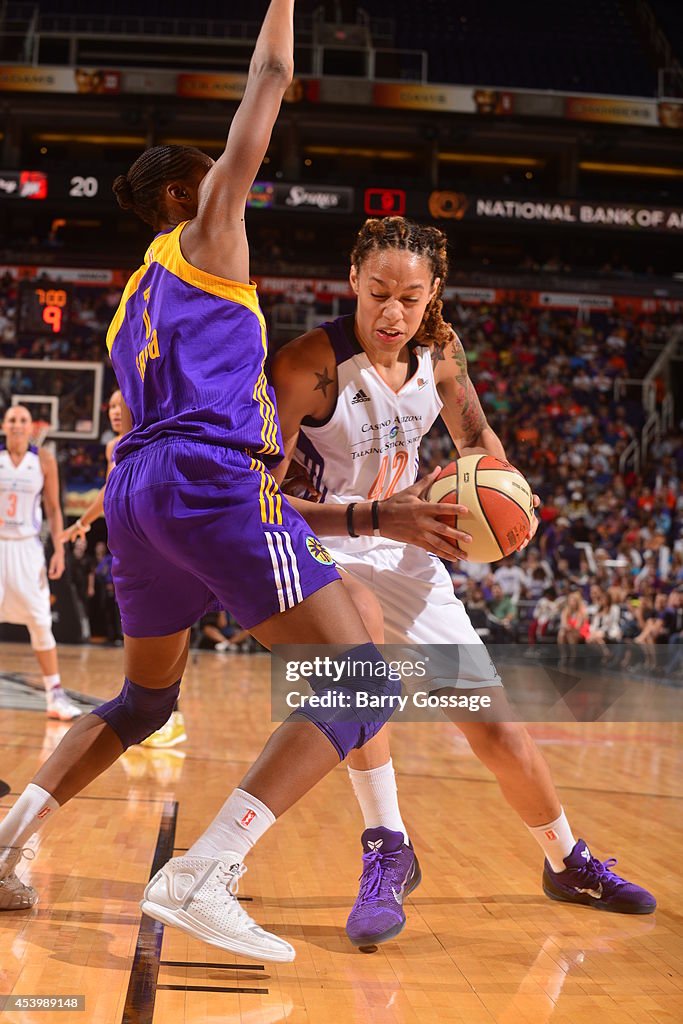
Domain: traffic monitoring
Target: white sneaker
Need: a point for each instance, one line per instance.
(62, 707)
(14, 895)
(198, 895)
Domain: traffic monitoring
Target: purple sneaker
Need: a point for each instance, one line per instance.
(390, 873)
(591, 883)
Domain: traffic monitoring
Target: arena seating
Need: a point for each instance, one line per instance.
(595, 47)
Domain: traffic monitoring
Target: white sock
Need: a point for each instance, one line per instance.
(52, 682)
(556, 840)
(28, 814)
(377, 794)
(239, 824)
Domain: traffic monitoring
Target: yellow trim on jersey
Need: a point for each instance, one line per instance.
(267, 410)
(119, 316)
(165, 250)
(266, 407)
(270, 499)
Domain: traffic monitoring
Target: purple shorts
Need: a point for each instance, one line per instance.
(194, 527)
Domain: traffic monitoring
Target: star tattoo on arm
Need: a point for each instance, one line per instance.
(324, 381)
(437, 355)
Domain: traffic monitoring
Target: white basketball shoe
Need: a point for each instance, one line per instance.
(199, 896)
(14, 895)
(60, 706)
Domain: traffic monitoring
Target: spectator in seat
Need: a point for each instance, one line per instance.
(574, 626)
(502, 615)
(545, 611)
(511, 579)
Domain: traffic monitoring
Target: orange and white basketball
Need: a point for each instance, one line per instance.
(499, 502)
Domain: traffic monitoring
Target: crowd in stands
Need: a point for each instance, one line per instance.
(607, 567)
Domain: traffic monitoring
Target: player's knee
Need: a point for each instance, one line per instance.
(138, 711)
(501, 745)
(42, 637)
(359, 704)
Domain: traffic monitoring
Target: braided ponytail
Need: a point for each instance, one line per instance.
(399, 233)
(142, 188)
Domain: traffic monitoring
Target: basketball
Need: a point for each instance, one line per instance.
(499, 501)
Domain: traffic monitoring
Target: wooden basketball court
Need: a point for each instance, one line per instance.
(482, 944)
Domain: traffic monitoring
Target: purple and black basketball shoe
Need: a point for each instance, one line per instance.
(592, 883)
(390, 873)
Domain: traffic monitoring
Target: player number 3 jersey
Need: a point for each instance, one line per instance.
(369, 448)
(21, 513)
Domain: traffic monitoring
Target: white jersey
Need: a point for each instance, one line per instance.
(21, 512)
(369, 447)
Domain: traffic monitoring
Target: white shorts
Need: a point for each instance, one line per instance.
(419, 605)
(24, 589)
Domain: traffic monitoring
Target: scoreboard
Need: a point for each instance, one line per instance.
(43, 309)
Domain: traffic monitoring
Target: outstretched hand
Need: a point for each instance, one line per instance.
(76, 530)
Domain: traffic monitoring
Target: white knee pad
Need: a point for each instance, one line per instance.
(42, 637)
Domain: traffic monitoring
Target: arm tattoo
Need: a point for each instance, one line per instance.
(437, 354)
(472, 415)
(324, 381)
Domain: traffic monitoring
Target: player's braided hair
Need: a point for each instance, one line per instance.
(400, 233)
(141, 188)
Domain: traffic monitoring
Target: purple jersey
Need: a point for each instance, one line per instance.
(188, 350)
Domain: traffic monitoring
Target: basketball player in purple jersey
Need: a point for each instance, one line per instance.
(196, 518)
(355, 397)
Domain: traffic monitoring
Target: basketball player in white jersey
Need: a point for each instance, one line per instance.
(355, 397)
(28, 480)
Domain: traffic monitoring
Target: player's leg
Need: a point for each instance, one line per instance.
(297, 755)
(153, 669)
(28, 591)
(284, 587)
(59, 705)
(504, 744)
(370, 768)
(571, 874)
(389, 864)
(89, 748)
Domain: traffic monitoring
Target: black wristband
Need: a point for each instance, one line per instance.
(374, 512)
(349, 519)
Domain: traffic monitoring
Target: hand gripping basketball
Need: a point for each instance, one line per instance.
(409, 518)
(501, 517)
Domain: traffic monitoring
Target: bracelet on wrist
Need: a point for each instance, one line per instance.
(374, 512)
(349, 519)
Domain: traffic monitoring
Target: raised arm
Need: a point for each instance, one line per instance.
(215, 240)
